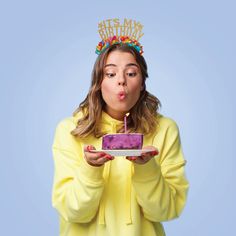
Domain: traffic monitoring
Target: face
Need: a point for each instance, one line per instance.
(121, 84)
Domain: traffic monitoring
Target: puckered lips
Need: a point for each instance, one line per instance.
(122, 95)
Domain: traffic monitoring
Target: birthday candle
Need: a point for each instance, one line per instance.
(125, 121)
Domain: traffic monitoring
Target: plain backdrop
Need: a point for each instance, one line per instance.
(46, 58)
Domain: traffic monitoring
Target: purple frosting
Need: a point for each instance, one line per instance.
(122, 141)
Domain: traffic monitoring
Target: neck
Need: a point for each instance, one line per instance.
(118, 115)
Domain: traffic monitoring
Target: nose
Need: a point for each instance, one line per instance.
(121, 80)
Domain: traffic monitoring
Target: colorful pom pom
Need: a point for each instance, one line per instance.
(116, 40)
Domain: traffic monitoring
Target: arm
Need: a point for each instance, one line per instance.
(77, 186)
(160, 184)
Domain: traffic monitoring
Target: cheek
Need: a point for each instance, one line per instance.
(137, 86)
(137, 89)
(106, 89)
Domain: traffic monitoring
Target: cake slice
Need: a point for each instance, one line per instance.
(122, 141)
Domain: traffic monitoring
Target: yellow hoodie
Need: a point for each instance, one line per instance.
(119, 198)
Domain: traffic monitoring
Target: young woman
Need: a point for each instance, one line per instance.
(98, 194)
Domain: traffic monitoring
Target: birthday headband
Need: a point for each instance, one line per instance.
(113, 31)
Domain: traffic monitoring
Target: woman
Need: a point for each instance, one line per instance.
(98, 194)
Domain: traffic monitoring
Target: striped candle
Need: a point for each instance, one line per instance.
(125, 121)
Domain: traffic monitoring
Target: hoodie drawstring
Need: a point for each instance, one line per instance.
(101, 216)
(128, 196)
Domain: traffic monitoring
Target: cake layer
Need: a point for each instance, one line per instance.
(122, 141)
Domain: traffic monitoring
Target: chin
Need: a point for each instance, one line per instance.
(123, 109)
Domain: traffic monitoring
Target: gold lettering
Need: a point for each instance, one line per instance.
(129, 31)
(102, 34)
(134, 34)
(116, 28)
(136, 24)
(116, 22)
(111, 27)
(139, 36)
(122, 30)
(107, 33)
(110, 31)
(140, 26)
(109, 22)
(128, 23)
(102, 25)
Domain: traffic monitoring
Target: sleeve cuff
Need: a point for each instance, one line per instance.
(92, 173)
(146, 171)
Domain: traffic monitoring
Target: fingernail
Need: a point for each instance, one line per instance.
(154, 153)
(102, 154)
(109, 157)
(90, 147)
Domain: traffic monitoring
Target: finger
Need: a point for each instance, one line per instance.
(136, 159)
(109, 157)
(99, 161)
(103, 160)
(100, 158)
(87, 148)
(154, 153)
(95, 156)
(143, 158)
(150, 149)
(131, 158)
(146, 157)
(151, 153)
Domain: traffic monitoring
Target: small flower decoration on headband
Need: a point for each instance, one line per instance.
(113, 32)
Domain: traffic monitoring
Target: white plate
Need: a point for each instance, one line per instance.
(124, 152)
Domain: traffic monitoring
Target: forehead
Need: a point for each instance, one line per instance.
(119, 58)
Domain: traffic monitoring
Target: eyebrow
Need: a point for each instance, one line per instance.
(127, 65)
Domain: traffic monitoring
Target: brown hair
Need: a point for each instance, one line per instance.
(142, 116)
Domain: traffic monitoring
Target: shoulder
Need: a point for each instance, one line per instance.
(164, 122)
(69, 123)
(63, 138)
(66, 123)
(166, 126)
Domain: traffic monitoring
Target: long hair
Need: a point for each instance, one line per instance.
(143, 114)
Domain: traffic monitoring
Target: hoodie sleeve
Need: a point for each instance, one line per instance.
(160, 184)
(77, 186)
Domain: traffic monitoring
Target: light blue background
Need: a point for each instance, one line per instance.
(46, 58)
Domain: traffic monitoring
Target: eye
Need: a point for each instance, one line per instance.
(131, 74)
(110, 75)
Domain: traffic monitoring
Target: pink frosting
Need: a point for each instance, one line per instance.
(122, 141)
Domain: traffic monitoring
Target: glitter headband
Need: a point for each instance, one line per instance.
(113, 32)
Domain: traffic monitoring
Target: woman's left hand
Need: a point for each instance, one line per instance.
(145, 156)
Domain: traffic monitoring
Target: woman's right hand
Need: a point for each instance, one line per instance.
(95, 159)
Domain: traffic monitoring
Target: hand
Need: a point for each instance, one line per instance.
(145, 156)
(95, 159)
